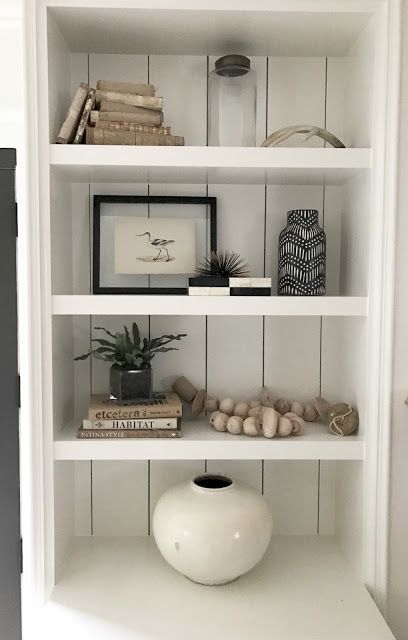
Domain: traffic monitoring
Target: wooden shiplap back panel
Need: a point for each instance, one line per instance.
(355, 236)
(182, 81)
(344, 355)
(296, 96)
(64, 512)
(233, 356)
(83, 497)
(349, 524)
(58, 68)
(359, 98)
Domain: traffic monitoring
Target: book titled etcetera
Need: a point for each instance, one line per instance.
(162, 405)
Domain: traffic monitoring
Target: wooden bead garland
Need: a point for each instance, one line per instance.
(266, 416)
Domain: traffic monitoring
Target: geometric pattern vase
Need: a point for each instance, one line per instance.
(302, 255)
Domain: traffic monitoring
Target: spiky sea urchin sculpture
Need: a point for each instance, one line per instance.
(223, 264)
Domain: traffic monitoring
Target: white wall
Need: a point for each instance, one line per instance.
(398, 592)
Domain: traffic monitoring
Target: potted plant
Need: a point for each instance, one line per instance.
(130, 358)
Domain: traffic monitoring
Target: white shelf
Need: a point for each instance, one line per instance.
(201, 165)
(208, 305)
(257, 28)
(122, 589)
(200, 441)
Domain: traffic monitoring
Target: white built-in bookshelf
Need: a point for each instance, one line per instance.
(334, 65)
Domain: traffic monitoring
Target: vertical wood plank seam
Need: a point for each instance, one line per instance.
(318, 496)
(149, 333)
(206, 249)
(208, 97)
(264, 258)
(90, 280)
(321, 317)
(90, 320)
(148, 498)
(92, 514)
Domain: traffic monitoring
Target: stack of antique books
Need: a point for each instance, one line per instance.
(159, 417)
(121, 113)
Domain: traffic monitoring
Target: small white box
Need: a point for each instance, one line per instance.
(199, 291)
(240, 282)
(261, 282)
(219, 291)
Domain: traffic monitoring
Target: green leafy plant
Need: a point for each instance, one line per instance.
(127, 350)
(223, 264)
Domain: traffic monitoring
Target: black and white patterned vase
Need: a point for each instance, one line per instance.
(302, 255)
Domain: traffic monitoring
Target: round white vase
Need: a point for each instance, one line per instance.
(212, 529)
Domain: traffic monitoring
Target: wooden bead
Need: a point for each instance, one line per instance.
(284, 426)
(297, 423)
(219, 421)
(241, 409)
(322, 407)
(211, 404)
(282, 406)
(270, 421)
(266, 397)
(235, 425)
(184, 389)
(310, 413)
(198, 403)
(227, 406)
(298, 408)
(251, 426)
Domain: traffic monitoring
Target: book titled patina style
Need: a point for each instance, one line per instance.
(109, 434)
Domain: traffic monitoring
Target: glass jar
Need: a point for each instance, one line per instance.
(232, 103)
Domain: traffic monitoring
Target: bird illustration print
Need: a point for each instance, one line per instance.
(157, 243)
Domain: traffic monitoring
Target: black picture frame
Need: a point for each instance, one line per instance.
(210, 202)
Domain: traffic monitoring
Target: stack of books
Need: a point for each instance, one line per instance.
(159, 417)
(121, 113)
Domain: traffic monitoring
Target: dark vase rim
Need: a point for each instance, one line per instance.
(117, 368)
(212, 482)
(303, 211)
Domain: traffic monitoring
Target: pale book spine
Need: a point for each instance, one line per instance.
(110, 434)
(132, 126)
(142, 413)
(85, 116)
(70, 124)
(102, 136)
(126, 87)
(141, 425)
(150, 102)
(153, 118)
(108, 105)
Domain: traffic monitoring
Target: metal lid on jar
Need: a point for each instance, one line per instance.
(232, 65)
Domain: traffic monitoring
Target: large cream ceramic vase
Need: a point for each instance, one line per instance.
(212, 529)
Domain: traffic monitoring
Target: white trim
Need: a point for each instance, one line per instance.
(214, 157)
(209, 305)
(314, 6)
(199, 442)
(381, 313)
(30, 342)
